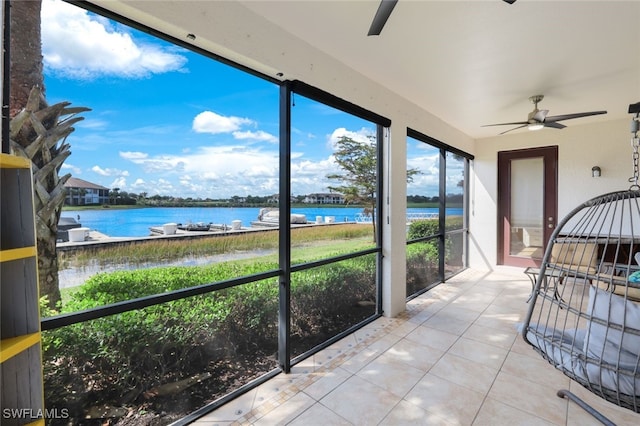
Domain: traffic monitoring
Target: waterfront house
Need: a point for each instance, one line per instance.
(324, 198)
(83, 193)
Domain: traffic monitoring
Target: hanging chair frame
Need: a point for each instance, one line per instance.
(586, 270)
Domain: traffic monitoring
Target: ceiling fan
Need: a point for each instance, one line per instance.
(384, 11)
(538, 118)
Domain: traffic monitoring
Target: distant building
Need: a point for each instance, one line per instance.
(324, 198)
(81, 192)
(275, 199)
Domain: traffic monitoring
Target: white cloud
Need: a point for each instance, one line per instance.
(82, 46)
(210, 122)
(260, 135)
(71, 169)
(161, 187)
(109, 171)
(120, 182)
(224, 171)
(92, 124)
(361, 135)
(425, 182)
(216, 172)
(312, 168)
(133, 155)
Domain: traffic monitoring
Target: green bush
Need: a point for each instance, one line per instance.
(422, 266)
(422, 257)
(427, 228)
(119, 357)
(326, 298)
(423, 228)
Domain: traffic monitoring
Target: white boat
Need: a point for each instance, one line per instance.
(415, 216)
(364, 218)
(273, 216)
(411, 217)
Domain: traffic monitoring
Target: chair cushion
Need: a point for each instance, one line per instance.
(610, 345)
(621, 285)
(605, 342)
(577, 256)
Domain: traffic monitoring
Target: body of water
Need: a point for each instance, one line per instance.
(136, 222)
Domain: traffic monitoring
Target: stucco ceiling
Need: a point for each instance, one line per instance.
(477, 62)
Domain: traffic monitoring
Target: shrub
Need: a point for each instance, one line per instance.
(328, 299)
(116, 359)
(422, 257)
(427, 228)
(423, 228)
(422, 266)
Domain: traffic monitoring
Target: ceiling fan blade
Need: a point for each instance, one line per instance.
(384, 11)
(570, 116)
(554, 125)
(507, 124)
(515, 128)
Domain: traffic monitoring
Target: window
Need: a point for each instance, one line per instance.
(202, 152)
(334, 184)
(436, 212)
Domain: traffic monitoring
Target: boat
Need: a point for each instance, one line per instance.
(185, 229)
(416, 216)
(64, 224)
(199, 226)
(272, 216)
(364, 218)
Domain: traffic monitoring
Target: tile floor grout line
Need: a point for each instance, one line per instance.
(336, 362)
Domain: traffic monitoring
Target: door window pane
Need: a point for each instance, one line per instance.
(527, 202)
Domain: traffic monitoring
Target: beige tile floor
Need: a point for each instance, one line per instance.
(453, 358)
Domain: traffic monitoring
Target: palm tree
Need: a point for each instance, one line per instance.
(38, 132)
(26, 53)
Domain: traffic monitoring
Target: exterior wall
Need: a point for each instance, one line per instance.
(83, 196)
(324, 199)
(580, 147)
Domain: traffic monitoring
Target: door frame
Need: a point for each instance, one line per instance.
(550, 207)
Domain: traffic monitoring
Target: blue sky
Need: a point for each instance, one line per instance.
(167, 121)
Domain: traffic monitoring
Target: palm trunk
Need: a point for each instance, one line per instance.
(35, 133)
(26, 53)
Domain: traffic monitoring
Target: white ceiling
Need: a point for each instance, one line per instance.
(477, 62)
